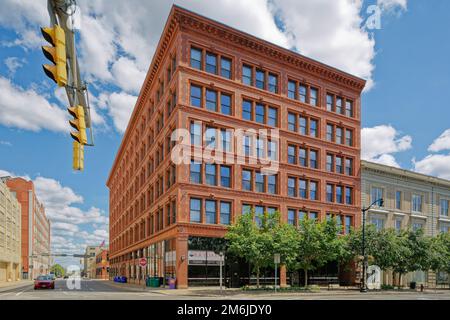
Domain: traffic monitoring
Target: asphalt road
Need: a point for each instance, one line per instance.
(104, 290)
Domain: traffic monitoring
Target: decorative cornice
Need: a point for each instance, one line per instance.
(190, 20)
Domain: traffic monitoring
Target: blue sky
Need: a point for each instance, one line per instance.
(404, 110)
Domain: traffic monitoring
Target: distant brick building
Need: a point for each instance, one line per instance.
(35, 229)
(213, 80)
(102, 265)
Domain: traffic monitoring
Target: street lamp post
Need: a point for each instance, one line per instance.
(365, 261)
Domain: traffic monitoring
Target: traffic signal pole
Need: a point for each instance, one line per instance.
(61, 14)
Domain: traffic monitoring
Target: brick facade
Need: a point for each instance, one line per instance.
(151, 198)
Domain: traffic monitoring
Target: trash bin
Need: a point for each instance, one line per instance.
(154, 282)
(172, 283)
(412, 285)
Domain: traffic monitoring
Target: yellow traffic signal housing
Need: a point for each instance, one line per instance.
(79, 124)
(56, 54)
(78, 156)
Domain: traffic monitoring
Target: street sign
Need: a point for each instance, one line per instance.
(276, 258)
(142, 262)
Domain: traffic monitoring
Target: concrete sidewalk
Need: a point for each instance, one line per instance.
(215, 291)
(4, 286)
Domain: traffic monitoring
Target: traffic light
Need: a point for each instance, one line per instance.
(78, 156)
(79, 124)
(56, 54)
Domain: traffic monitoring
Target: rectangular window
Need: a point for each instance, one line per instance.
(339, 135)
(211, 100)
(225, 104)
(225, 212)
(196, 58)
(291, 122)
(260, 81)
(398, 225)
(329, 163)
(349, 108)
(259, 182)
(417, 203)
(313, 128)
(398, 200)
(301, 215)
(291, 187)
(247, 142)
(339, 198)
(291, 154)
(302, 121)
(302, 93)
(444, 207)
(313, 215)
(329, 102)
(210, 173)
(247, 110)
(314, 93)
(225, 67)
(246, 208)
(196, 172)
(330, 193)
(348, 195)
(349, 137)
(313, 190)
(302, 157)
(339, 105)
(226, 140)
(225, 176)
(196, 210)
(196, 134)
(348, 167)
(260, 113)
(259, 213)
(196, 96)
(272, 119)
(273, 83)
(246, 180)
(339, 167)
(378, 223)
(291, 217)
(272, 184)
(210, 211)
(260, 148)
(210, 138)
(291, 89)
(376, 194)
(348, 224)
(329, 132)
(313, 159)
(247, 75)
(211, 63)
(272, 151)
(302, 188)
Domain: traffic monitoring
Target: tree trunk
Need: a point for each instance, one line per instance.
(257, 277)
(399, 280)
(306, 278)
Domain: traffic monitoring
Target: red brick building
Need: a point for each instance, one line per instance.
(35, 229)
(102, 265)
(211, 79)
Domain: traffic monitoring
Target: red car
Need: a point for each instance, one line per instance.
(44, 282)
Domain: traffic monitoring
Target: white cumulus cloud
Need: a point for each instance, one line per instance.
(441, 143)
(380, 142)
(435, 165)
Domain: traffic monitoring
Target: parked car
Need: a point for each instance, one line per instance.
(66, 277)
(42, 282)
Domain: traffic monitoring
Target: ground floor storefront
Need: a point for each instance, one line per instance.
(200, 261)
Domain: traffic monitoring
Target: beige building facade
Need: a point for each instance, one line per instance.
(90, 264)
(10, 236)
(411, 200)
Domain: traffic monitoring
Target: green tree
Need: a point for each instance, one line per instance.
(440, 253)
(319, 243)
(57, 270)
(245, 240)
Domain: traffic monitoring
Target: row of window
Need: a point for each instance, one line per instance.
(211, 62)
(255, 76)
(202, 97)
(335, 193)
(209, 211)
(416, 201)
